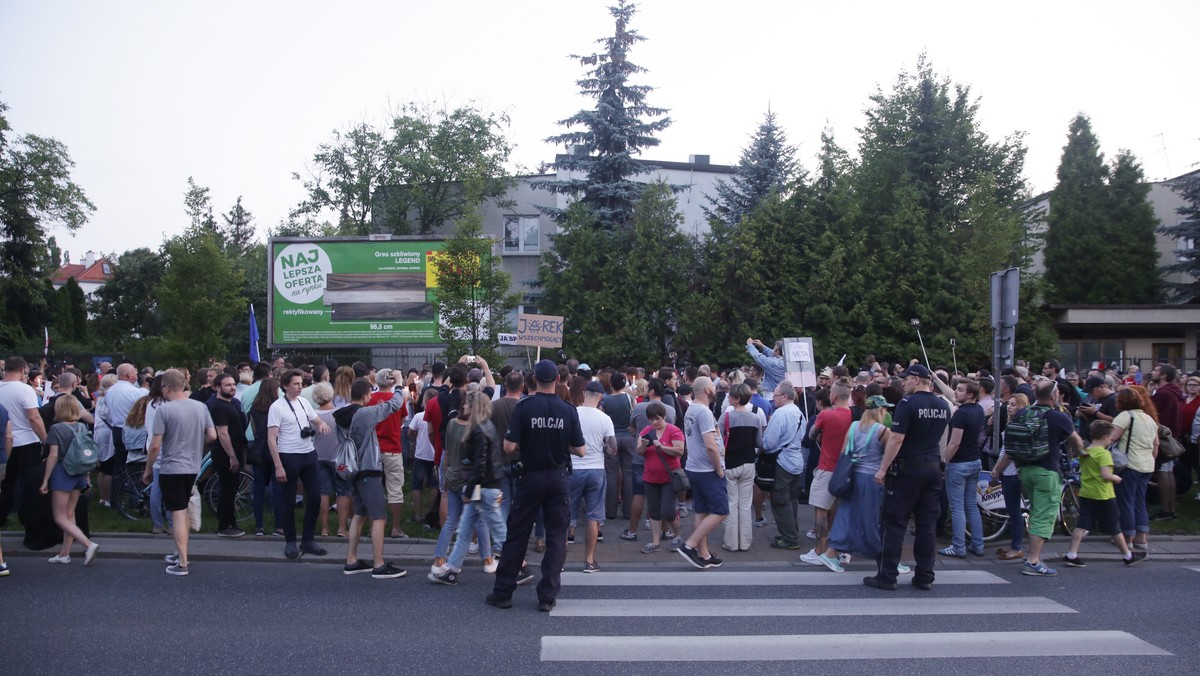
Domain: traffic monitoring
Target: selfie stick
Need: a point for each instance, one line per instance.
(917, 323)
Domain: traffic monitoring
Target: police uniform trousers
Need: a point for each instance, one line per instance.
(547, 490)
(914, 491)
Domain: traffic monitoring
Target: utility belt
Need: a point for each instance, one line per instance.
(916, 464)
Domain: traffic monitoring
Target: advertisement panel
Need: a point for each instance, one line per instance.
(352, 291)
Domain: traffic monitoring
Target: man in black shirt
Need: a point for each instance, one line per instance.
(963, 465)
(228, 451)
(1101, 404)
(546, 431)
(912, 467)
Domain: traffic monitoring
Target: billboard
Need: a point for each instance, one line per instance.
(351, 291)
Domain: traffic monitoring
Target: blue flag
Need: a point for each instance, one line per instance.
(253, 336)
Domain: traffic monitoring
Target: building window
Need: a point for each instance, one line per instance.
(1083, 355)
(520, 234)
(1182, 247)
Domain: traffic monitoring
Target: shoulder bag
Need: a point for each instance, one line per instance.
(1120, 457)
(1169, 447)
(678, 477)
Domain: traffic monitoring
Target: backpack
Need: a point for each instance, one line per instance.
(345, 463)
(1027, 437)
(82, 456)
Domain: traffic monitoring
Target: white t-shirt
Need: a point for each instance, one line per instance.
(17, 398)
(424, 445)
(289, 424)
(596, 427)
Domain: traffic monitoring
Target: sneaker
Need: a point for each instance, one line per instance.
(1038, 569)
(233, 532)
(177, 570)
(646, 524)
(312, 548)
(922, 585)
(676, 543)
(355, 568)
(844, 558)
(760, 522)
(780, 544)
(61, 558)
(590, 567)
(668, 534)
(490, 565)
(712, 562)
(1140, 546)
(90, 553)
(171, 559)
(1164, 516)
(811, 558)
(628, 535)
(690, 555)
(976, 552)
(524, 575)
(949, 551)
(811, 534)
(650, 548)
(1073, 561)
(570, 540)
(290, 551)
(278, 532)
(473, 548)
(259, 532)
(438, 570)
(1136, 557)
(499, 601)
(546, 606)
(388, 572)
(600, 536)
(831, 563)
(877, 583)
(4, 571)
(448, 578)
(902, 569)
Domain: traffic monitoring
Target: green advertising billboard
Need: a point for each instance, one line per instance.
(355, 291)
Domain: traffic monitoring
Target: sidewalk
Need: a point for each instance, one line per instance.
(612, 553)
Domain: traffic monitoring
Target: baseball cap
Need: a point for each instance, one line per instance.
(545, 371)
(584, 367)
(383, 375)
(877, 401)
(594, 387)
(918, 371)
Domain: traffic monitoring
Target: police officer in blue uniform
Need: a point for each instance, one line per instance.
(912, 473)
(545, 430)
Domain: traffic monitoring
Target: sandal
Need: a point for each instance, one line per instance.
(1010, 555)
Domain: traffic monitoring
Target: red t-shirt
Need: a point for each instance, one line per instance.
(834, 424)
(388, 431)
(433, 423)
(655, 473)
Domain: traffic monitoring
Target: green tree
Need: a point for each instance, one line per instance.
(200, 293)
(473, 290)
(1078, 220)
(72, 314)
(602, 142)
(197, 204)
(238, 231)
(766, 166)
(36, 194)
(408, 178)
(126, 306)
(1133, 225)
(1187, 230)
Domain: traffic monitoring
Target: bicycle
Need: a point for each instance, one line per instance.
(992, 509)
(133, 497)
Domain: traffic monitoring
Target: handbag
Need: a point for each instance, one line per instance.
(679, 478)
(841, 483)
(1169, 447)
(1121, 458)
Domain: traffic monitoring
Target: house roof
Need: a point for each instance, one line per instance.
(98, 272)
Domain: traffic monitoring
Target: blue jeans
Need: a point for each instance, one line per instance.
(1011, 486)
(264, 475)
(485, 510)
(962, 479)
(454, 510)
(1131, 499)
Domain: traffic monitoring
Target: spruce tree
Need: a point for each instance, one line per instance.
(1077, 223)
(1186, 230)
(766, 165)
(1131, 236)
(602, 142)
(238, 231)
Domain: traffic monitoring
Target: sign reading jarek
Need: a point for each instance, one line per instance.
(539, 330)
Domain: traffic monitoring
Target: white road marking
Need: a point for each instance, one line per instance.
(805, 607)
(730, 578)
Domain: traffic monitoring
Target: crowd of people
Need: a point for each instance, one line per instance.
(553, 453)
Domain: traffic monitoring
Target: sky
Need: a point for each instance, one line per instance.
(239, 95)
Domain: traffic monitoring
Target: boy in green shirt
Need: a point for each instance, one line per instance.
(1097, 498)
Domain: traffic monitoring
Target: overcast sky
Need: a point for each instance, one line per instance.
(239, 94)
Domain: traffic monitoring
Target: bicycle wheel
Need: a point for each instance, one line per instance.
(132, 496)
(243, 510)
(210, 491)
(990, 502)
(1068, 509)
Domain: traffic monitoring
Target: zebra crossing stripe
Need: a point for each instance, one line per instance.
(731, 578)
(1195, 568)
(760, 648)
(805, 607)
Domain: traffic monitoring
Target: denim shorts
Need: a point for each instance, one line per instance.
(639, 486)
(331, 483)
(424, 474)
(709, 493)
(587, 486)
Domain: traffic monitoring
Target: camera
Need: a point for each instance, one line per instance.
(307, 432)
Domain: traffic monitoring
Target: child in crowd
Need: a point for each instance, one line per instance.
(1097, 498)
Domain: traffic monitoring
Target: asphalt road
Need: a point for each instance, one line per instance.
(127, 616)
